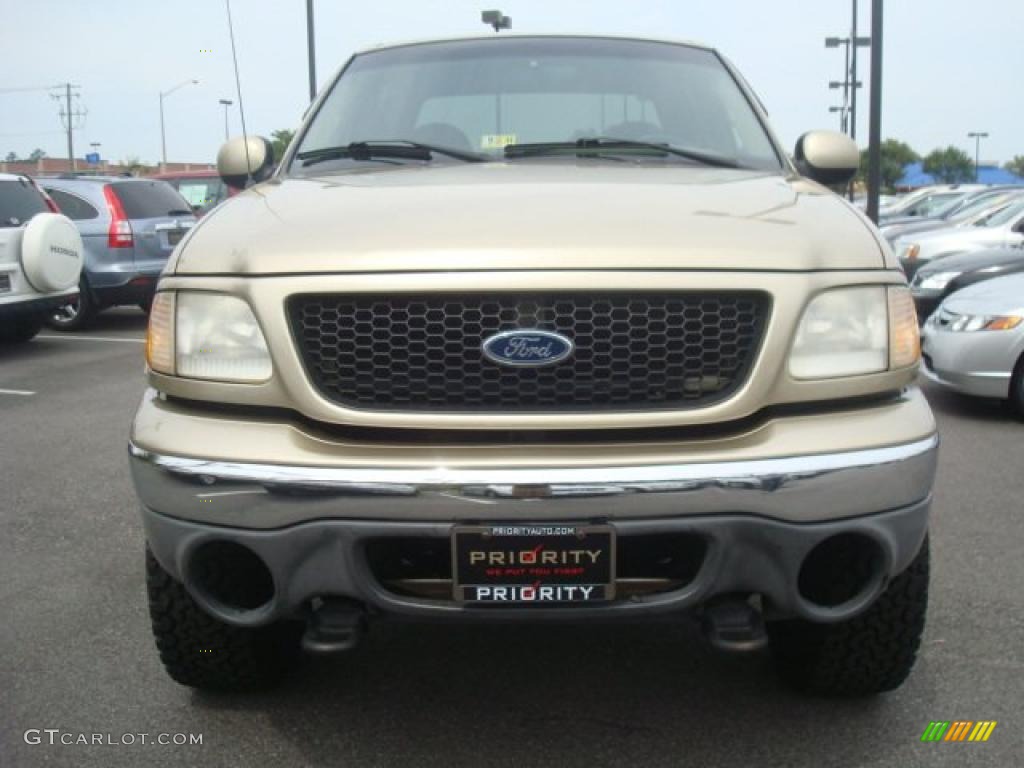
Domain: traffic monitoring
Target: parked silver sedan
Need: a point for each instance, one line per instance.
(974, 342)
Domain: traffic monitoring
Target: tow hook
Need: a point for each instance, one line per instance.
(734, 625)
(336, 625)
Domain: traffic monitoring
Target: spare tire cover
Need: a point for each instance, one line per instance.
(51, 252)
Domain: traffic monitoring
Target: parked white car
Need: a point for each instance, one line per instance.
(40, 258)
(1002, 229)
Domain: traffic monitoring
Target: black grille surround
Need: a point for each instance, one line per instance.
(633, 351)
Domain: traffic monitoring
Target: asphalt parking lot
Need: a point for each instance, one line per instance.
(76, 652)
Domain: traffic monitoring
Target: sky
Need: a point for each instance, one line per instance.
(951, 66)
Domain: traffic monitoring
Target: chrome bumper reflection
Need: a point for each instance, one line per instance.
(798, 489)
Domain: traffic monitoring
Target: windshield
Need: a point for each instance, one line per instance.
(982, 205)
(933, 203)
(483, 95)
(1008, 214)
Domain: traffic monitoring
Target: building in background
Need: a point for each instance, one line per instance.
(914, 177)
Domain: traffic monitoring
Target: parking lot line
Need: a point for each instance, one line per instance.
(19, 392)
(69, 337)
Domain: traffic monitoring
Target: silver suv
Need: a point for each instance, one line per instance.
(129, 227)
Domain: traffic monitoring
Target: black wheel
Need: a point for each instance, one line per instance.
(868, 654)
(199, 651)
(76, 314)
(18, 330)
(1017, 388)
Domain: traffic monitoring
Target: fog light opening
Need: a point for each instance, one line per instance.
(842, 569)
(229, 577)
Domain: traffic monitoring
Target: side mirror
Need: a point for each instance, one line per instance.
(828, 157)
(244, 160)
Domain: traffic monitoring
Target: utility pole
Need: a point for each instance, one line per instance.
(71, 143)
(70, 118)
(311, 49)
(875, 120)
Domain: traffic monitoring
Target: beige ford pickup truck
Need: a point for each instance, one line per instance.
(538, 329)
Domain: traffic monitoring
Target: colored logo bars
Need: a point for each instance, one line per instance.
(958, 730)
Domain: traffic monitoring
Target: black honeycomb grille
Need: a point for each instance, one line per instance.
(633, 351)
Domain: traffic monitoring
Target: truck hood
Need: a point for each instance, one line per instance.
(531, 215)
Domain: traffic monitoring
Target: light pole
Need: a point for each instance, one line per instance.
(875, 112)
(496, 19)
(849, 83)
(843, 112)
(311, 49)
(977, 136)
(163, 135)
(227, 103)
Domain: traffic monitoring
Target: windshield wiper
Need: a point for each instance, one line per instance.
(180, 212)
(396, 148)
(598, 144)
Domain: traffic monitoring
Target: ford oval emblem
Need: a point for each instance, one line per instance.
(527, 348)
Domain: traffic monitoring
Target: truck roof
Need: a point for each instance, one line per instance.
(503, 36)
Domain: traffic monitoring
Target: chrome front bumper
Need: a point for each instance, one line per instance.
(803, 488)
(311, 526)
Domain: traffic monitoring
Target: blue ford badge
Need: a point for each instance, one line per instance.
(527, 348)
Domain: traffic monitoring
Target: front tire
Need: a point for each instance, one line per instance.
(871, 653)
(1017, 388)
(18, 330)
(199, 651)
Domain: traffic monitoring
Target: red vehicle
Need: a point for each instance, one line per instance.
(202, 189)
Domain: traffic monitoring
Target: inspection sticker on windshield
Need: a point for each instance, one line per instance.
(497, 140)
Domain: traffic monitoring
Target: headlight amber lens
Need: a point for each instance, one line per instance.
(904, 335)
(1004, 323)
(843, 332)
(160, 337)
(972, 323)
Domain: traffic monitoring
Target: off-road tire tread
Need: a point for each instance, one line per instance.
(868, 654)
(200, 651)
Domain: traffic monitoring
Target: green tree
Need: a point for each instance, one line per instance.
(132, 164)
(896, 155)
(37, 154)
(12, 157)
(280, 141)
(1016, 165)
(950, 165)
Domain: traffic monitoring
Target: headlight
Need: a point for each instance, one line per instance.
(855, 331)
(935, 282)
(206, 336)
(970, 323)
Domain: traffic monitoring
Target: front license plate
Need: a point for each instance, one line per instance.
(533, 564)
